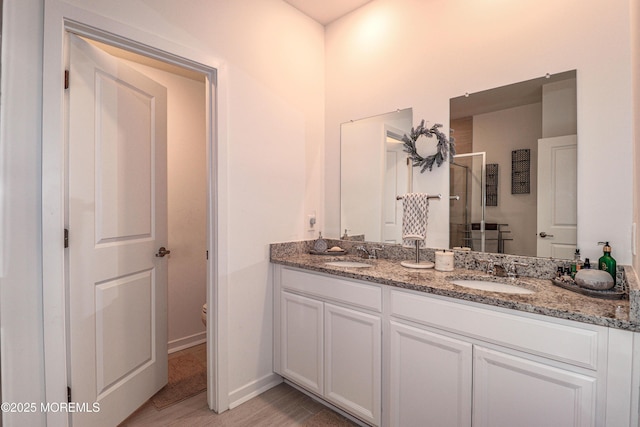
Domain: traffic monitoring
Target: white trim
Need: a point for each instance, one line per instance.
(59, 19)
(187, 342)
(250, 390)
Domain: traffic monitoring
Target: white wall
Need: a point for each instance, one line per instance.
(409, 53)
(559, 109)
(362, 166)
(186, 205)
(498, 134)
(20, 251)
(274, 75)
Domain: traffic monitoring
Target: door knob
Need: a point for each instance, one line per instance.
(543, 234)
(162, 252)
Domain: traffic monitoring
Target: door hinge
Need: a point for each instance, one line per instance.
(66, 79)
(66, 237)
(207, 254)
(68, 394)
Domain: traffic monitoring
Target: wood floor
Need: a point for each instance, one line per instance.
(279, 407)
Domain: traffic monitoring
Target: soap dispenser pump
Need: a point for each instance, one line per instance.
(320, 245)
(606, 261)
(576, 265)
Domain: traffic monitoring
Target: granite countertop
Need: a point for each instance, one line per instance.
(548, 299)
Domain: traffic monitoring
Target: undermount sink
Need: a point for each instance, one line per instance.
(350, 264)
(486, 285)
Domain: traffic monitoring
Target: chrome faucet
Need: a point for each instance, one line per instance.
(363, 249)
(504, 269)
(490, 265)
(500, 270)
(371, 255)
(512, 271)
(375, 252)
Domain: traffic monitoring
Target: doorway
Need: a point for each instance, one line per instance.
(187, 176)
(187, 193)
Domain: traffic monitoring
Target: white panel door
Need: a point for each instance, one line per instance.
(557, 199)
(430, 378)
(513, 391)
(301, 341)
(353, 362)
(117, 221)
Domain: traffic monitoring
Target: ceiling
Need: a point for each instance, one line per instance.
(326, 11)
(322, 11)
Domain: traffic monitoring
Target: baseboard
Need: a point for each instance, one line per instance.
(186, 342)
(251, 390)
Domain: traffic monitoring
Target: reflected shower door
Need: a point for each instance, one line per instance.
(467, 215)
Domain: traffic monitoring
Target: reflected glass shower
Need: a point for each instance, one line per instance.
(467, 215)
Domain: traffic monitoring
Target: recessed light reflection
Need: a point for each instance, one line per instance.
(373, 28)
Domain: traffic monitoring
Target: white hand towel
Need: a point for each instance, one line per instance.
(415, 207)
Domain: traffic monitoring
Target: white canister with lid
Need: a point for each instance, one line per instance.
(444, 260)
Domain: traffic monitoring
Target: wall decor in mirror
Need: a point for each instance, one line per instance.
(538, 118)
(445, 147)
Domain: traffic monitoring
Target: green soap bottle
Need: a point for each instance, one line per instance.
(606, 261)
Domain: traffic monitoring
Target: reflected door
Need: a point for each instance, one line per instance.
(117, 221)
(557, 202)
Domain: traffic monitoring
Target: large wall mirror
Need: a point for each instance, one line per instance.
(521, 198)
(515, 170)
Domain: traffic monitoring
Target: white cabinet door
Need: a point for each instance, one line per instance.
(513, 391)
(301, 351)
(430, 378)
(353, 361)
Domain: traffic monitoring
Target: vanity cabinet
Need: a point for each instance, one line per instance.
(435, 378)
(401, 358)
(330, 334)
(511, 369)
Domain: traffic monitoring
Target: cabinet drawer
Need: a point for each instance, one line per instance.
(575, 345)
(333, 288)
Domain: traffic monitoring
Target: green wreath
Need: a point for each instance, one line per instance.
(444, 147)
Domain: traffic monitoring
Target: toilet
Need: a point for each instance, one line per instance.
(204, 314)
